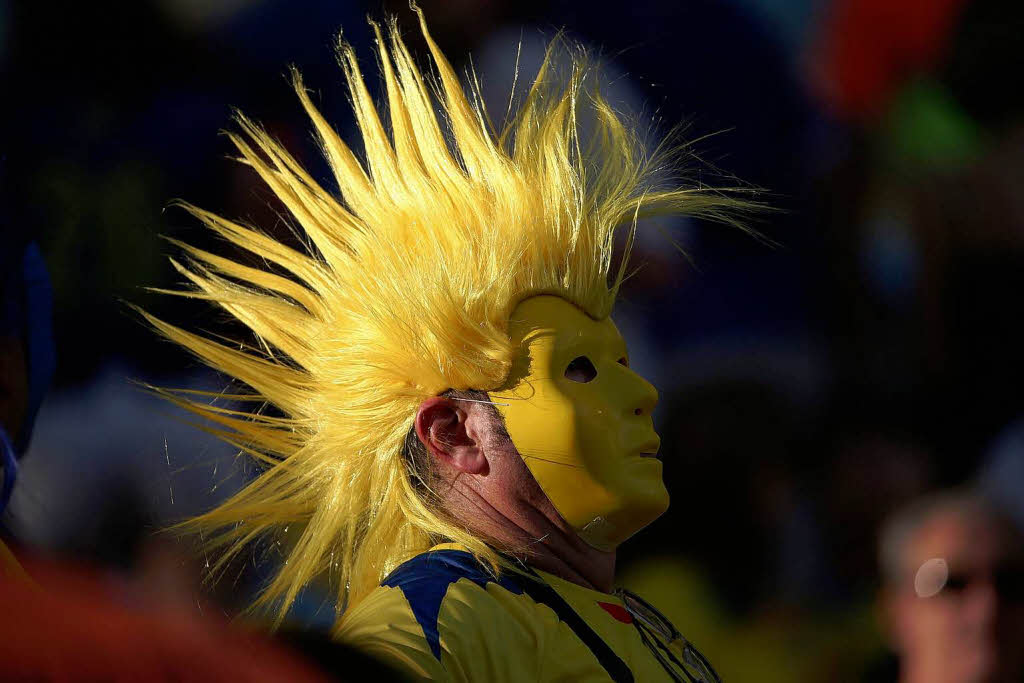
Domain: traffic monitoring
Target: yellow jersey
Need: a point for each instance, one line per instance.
(441, 616)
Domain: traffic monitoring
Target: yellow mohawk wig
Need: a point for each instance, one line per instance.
(414, 264)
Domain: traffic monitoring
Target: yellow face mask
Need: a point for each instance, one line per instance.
(582, 421)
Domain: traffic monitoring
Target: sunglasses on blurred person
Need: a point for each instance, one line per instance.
(1008, 583)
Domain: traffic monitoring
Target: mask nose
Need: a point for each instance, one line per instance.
(644, 397)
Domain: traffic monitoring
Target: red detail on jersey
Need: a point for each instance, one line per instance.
(617, 611)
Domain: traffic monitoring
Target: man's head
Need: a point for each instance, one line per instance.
(581, 419)
(954, 591)
(573, 412)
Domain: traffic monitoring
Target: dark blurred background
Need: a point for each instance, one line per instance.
(808, 388)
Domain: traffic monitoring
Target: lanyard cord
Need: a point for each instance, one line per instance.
(541, 592)
(643, 613)
(538, 589)
(646, 639)
(703, 662)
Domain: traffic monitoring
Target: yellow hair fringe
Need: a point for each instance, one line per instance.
(414, 264)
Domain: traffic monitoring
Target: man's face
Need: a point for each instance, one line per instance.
(960, 615)
(581, 419)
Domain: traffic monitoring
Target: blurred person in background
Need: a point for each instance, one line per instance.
(953, 593)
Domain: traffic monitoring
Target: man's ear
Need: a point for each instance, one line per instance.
(447, 430)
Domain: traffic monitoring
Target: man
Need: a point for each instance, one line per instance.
(457, 434)
(560, 494)
(953, 598)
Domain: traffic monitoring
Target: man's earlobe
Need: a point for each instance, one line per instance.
(443, 428)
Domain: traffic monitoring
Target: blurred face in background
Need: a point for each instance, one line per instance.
(958, 616)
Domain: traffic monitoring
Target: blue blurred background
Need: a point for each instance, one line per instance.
(808, 389)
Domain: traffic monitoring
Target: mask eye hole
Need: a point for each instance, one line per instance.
(624, 361)
(581, 369)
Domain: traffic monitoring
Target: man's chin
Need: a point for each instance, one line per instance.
(607, 533)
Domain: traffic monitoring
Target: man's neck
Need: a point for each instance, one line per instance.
(534, 532)
(591, 569)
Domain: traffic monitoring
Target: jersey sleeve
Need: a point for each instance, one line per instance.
(384, 627)
(451, 623)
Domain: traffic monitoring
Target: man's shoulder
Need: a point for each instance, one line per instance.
(449, 578)
(427, 577)
(445, 606)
